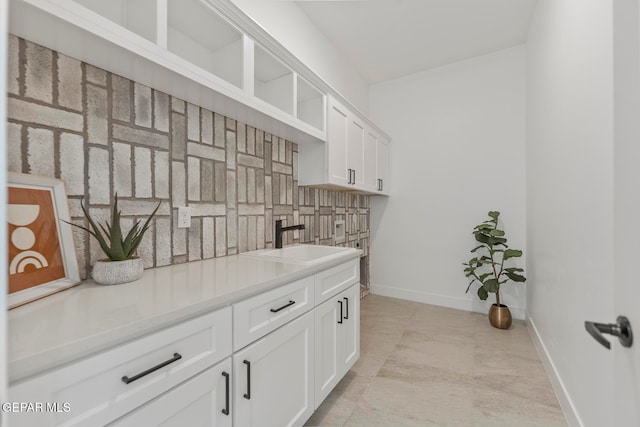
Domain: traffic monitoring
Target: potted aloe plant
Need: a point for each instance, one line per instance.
(122, 264)
(488, 267)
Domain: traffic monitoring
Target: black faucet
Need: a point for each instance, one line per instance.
(280, 229)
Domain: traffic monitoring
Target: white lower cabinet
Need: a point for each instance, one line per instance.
(293, 345)
(104, 387)
(202, 401)
(337, 345)
(274, 377)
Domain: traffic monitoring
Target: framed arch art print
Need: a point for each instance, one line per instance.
(42, 258)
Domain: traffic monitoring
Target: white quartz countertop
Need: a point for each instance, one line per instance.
(89, 318)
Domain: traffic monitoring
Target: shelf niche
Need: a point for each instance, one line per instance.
(199, 35)
(310, 104)
(273, 81)
(139, 16)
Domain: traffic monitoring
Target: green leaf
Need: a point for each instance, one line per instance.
(515, 276)
(484, 227)
(514, 269)
(477, 247)
(494, 215)
(117, 252)
(482, 238)
(512, 253)
(484, 276)
(482, 293)
(96, 231)
(496, 233)
(491, 285)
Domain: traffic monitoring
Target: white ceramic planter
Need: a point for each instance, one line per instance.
(117, 272)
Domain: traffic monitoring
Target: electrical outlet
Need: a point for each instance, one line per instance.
(184, 217)
(339, 231)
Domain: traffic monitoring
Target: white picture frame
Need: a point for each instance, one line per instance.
(28, 275)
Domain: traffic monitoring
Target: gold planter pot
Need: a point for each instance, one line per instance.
(500, 317)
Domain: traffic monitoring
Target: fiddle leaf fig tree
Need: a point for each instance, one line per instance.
(487, 267)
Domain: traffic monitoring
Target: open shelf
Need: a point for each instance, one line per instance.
(199, 35)
(139, 16)
(310, 104)
(273, 81)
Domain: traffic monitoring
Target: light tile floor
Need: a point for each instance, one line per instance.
(423, 365)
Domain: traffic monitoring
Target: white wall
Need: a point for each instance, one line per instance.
(292, 28)
(570, 197)
(457, 152)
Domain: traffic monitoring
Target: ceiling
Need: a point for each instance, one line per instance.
(386, 39)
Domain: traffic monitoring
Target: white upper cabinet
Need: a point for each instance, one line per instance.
(198, 34)
(338, 122)
(209, 53)
(355, 151)
(206, 52)
(382, 169)
(370, 161)
(350, 158)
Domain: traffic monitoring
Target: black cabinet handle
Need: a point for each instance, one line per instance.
(353, 181)
(275, 310)
(247, 395)
(340, 321)
(382, 185)
(175, 358)
(226, 393)
(346, 317)
(349, 176)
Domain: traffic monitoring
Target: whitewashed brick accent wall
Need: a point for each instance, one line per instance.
(104, 134)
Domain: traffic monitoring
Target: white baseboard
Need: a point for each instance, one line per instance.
(566, 403)
(467, 304)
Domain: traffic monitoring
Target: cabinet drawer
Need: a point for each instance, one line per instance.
(257, 316)
(95, 388)
(336, 279)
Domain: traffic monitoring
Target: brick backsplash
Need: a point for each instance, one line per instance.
(104, 134)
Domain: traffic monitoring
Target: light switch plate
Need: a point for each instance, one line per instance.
(184, 217)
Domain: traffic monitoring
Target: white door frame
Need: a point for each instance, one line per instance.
(626, 369)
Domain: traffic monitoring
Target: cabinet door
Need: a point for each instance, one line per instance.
(355, 150)
(370, 168)
(337, 339)
(196, 402)
(274, 377)
(349, 331)
(383, 166)
(328, 322)
(337, 143)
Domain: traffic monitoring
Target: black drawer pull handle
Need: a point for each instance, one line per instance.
(346, 317)
(289, 304)
(226, 393)
(247, 395)
(175, 358)
(340, 321)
